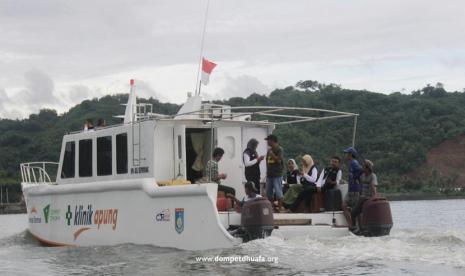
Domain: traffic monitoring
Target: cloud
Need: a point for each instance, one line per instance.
(3, 98)
(361, 44)
(145, 90)
(242, 86)
(78, 93)
(7, 107)
(39, 88)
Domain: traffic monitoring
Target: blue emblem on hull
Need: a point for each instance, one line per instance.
(179, 220)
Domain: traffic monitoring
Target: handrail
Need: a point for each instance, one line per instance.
(36, 172)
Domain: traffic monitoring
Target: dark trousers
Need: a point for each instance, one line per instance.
(306, 195)
(256, 182)
(327, 186)
(358, 209)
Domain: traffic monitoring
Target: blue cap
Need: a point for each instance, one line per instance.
(352, 151)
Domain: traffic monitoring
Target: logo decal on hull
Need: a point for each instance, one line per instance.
(79, 231)
(51, 214)
(179, 220)
(69, 215)
(89, 217)
(164, 215)
(33, 218)
(46, 212)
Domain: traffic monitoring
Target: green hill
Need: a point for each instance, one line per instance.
(395, 131)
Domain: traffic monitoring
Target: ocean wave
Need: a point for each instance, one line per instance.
(404, 245)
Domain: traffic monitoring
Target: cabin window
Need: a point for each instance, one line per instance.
(122, 153)
(85, 158)
(67, 169)
(104, 163)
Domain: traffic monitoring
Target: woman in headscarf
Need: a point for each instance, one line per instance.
(291, 175)
(252, 163)
(304, 191)
(309, 174)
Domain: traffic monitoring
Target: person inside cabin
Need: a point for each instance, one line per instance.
(250, 194)
(101, 123)
(352, 196)
(252, 163)
(89, 125)
(331, 176)
(291, 175)
(212, 173)
(274, 171)
(368, 183)
(308, 177)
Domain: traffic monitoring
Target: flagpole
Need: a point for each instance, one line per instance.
(197, 88)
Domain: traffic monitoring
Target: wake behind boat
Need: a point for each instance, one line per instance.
(131, 183)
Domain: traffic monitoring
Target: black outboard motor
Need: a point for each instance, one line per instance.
(376, 218)
(256, 219)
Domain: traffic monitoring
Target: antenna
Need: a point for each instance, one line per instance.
(198, 82)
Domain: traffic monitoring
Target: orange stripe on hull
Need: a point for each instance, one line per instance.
(49, 243)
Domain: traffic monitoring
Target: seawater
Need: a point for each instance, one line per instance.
(428, 238)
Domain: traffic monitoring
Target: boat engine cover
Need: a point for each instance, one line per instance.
(376, 217)
(257, 218)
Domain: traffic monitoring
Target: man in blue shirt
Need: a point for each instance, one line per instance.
(353, 194)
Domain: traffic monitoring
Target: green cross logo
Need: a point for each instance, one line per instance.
(69, 215)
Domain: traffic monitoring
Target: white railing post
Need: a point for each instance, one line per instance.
(36, 172)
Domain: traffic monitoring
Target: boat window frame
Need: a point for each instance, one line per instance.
(101, 154)
(73, 158)
(117, 152)
(89, 159)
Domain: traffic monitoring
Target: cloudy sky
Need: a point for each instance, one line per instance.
(55, 54)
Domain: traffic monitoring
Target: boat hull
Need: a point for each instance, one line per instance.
(129, 211)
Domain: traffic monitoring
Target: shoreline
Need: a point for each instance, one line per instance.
(420, 196)
(13, 208)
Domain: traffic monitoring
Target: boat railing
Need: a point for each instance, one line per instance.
(39, 172)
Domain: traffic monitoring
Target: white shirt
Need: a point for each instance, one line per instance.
(248, 162)
(247, 198)
(312, 178)
(321, 180)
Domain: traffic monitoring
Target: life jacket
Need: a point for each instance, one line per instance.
(252, 172)
(331, 173)
(305, 182)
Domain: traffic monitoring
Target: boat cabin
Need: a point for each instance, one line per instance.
(172, 150)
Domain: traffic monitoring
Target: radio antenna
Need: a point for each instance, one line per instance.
(197, 82)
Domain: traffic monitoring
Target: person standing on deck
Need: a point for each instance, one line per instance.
(274, 170)
(252, 163)
(212, 174)
(355, 171)
(368, 183)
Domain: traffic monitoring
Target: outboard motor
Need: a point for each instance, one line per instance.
(256, 219)
(376, 218)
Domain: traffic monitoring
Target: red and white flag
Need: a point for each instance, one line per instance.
(207, 68)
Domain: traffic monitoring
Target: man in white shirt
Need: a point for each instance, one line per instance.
(331, 176)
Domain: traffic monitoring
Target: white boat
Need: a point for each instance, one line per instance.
(128, 183)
